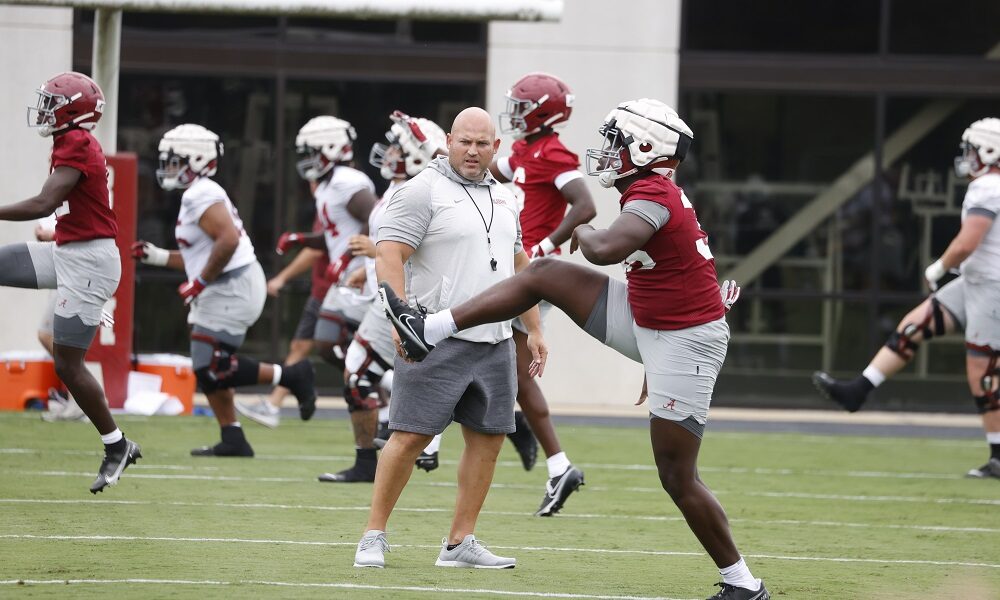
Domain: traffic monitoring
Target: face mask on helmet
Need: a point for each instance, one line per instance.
(611, 161)
(967, 163)
(388, 158)
(314, 165)
(512, 121)
(43, 115)
(174, 173)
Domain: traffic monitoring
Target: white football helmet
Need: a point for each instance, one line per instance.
(187, 152)
(639, 135)
(413, 142)
(980, 148)
(325, 141)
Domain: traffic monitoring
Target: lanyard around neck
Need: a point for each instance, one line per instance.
(487, 227)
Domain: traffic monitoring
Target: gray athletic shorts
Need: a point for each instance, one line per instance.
(376, 330)
(233, 302)
(345, 301)
(952, 297)
(306, 329)
(544, 307)
(87, 274)
(982, 313)
(471, 383)
(681, 365)
(45, 325)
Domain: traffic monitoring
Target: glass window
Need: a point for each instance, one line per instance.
(828, 26)
(958, 27)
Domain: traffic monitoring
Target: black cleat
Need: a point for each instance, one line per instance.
(558, 489)
(990, 469)
(300, 379)
(233, 443)
(409, 323)
(115, 461)
(225, 449)
(427, 462)
(731, 592)
(850, 395)
(363, 471)
(524, 440)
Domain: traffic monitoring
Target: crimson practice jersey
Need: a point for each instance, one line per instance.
(86, 213)
(672, 282)
(540, 170)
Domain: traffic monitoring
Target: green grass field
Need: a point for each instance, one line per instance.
(815, 516)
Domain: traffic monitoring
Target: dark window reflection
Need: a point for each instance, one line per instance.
(958, 27)
(834, 26)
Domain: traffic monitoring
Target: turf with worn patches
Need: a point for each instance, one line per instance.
(816, 517)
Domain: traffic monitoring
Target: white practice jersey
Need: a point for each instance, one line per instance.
(195, 245)
(373, 223)
(332, 196)
(983, 198)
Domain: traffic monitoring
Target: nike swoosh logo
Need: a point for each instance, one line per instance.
(405, 321)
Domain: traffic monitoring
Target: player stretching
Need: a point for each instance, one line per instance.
(668, 316)
(968, 302)
(225, 286)
(83, 264)
(547, 177)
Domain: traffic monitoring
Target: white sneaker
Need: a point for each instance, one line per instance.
(371, 550)
(68, 410)
(260, 412)
(471, 553)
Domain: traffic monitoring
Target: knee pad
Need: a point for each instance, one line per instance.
(360, 393)
(225, 369)
(902, 342)
(990, 400)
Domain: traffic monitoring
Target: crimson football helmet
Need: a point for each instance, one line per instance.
(413, 142)
(67, 100)
(639, 135)
(536, 101)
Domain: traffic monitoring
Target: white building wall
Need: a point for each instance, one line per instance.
(605, 56)
(35, 43)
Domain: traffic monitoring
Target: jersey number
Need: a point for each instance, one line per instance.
(701, 244)
(518, 180)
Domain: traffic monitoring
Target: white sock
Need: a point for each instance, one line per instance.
(739, 576)
(383, 414)
(235, 424)
(557, 464)
(434, 445)
(439, 326)
(112, 437)
(873, 375)
(277, 374)
(993, 437)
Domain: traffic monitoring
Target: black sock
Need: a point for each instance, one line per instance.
(995, 451)
(366, 454)
(231, 434)
(115, 447)
(453, 546)
(861, 382)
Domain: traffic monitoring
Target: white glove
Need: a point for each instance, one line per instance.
(148, 254)
(543, 248)
(730, 293)
(934, 273)
(107, 321)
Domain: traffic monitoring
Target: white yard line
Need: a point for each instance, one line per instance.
(565, 515)
(835, 559)
(348, 586)
(517, 464)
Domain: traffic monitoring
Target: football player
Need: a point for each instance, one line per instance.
(412, 143)
(667, 316)
(547, 179)
(968, 302)
(225, 287)
(267, 410)
(83, 264)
